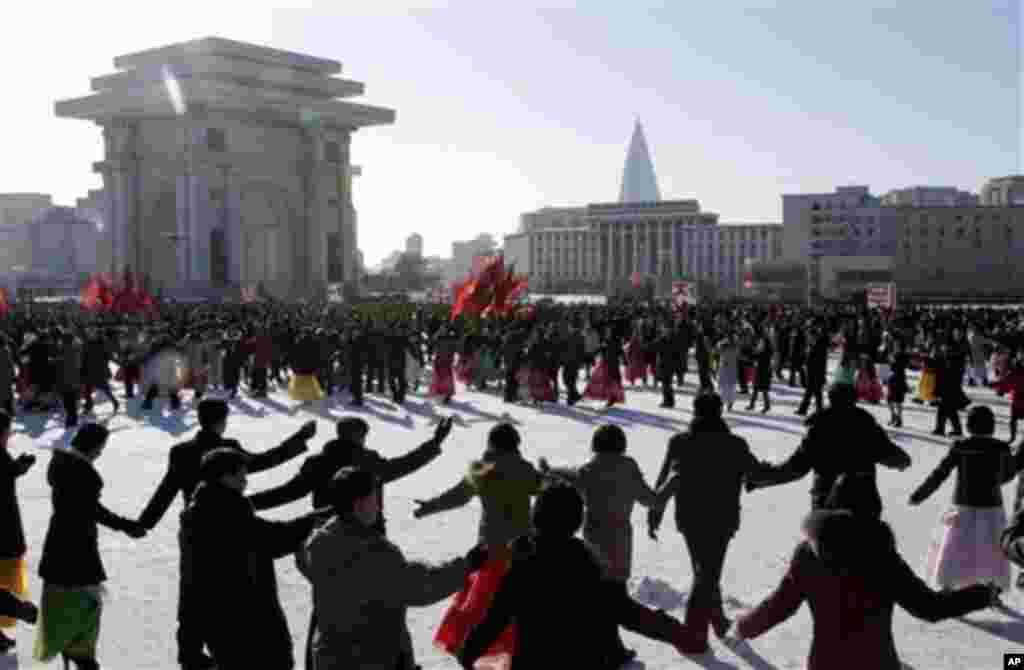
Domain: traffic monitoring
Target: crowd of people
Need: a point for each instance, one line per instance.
(58, 357)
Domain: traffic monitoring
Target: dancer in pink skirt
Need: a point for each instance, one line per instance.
(966, 549)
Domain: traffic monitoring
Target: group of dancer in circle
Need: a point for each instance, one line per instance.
(529, 592)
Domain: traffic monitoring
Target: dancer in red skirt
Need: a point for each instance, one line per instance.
(443, 383)
(505, 482)
(606, 380)
(636, 361)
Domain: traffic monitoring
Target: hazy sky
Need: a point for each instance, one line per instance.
(502, 111)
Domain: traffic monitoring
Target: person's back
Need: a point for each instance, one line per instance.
(850, 574)
(558, 603)
(504, 482)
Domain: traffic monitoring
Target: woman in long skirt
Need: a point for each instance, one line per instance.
(728, 369)
(71, 567)
(927, 385)
(538, 379)
(304, 385)
(443, 383)
(606, 380)
(966, 549)
(13, 567)
(636, 363)
(868, 387)
(505, 483)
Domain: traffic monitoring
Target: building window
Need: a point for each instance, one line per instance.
(216, 140)
(332, 202)
(334, 267)
(332, 152)
(217, 195)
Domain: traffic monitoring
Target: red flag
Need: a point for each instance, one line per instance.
(636, 280)
(463, 295)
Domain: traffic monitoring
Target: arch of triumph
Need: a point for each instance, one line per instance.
(227, 164)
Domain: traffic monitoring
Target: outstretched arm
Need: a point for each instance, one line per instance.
(294, 489)
(934, 480)
(284, 452)
(395, 468)
(162, 498)
(453, 498)
(790, 470)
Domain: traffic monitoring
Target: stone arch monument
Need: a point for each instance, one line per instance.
(228, 164)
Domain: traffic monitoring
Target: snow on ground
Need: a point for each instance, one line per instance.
(139, 620)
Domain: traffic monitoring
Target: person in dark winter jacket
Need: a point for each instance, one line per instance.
(851, 575)
(71, 567)
(96, 370)
(762, 374)
(7, 376)
(969, 552)
(12, 535)
(183, 476)
(363, 585)
(817, 368)
(576, 628)
(233, 553)
(711, 464)
(349, 450)
(841, 438)
(950, 392)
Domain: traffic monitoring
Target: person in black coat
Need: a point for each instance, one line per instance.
(711, 464)
(71, 556)
(572, 352)
(817, 368)
(398, 347)
(950, 392)
(512, 353)
(665, 366)
(797, 355)
(12, 535)
(358, 361)
(96, 370)
(349, 450)
(578, 628)
(233, 552)
(842, 438)
(762, 374)
(183, 476)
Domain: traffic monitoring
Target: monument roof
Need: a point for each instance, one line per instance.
(638, 181)
(215, 74)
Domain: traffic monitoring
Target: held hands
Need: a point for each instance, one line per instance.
(27, 612)
(24, 462)
(543, 465)
(732, 637)
(308, 431)
(476, 557)
(915, 500)
(420, 510)
(136, 530)
(444, 427)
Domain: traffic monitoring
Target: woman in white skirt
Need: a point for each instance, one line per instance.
(966, 548)
(728, 369)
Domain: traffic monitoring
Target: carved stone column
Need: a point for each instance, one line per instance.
(120, 170)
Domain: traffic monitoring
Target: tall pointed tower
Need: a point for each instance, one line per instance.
(638, 181)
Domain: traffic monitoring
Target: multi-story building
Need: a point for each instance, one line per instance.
(17, 211)
(414, 245)
(1003, 192)
(960, 251)
(929, 196)
(847, 238)
(601, 245)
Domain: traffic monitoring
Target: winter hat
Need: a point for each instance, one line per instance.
(842, 395)
(211, 412)
(220, 462)
(349, 485)
(90, 437)
(558, 510)
(349, 426)
(504, 437)
(707, 405)
(608, 438)
(981, 420)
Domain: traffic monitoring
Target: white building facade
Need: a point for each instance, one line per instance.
(929, 196)
(603, 244)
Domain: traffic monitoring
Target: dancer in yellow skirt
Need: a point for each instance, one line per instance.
(929, 378)
(13, 569)
(304, 386)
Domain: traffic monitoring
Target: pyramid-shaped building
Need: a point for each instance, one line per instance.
(638, 181)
